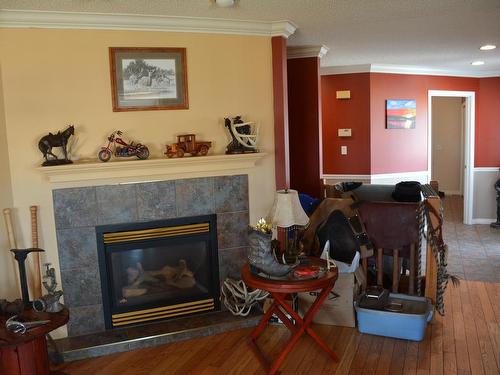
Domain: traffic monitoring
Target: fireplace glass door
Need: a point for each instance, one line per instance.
(158, 270)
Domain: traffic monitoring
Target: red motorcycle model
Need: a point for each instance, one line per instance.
(120, 148)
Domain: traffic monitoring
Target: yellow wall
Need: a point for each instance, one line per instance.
(55, 77)
(8, 288)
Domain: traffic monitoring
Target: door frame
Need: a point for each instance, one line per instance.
(468, 144)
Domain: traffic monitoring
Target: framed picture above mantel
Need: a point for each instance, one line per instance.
(144, 79)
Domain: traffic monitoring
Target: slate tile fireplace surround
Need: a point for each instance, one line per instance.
(79, 210)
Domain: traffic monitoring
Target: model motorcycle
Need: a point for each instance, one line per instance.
(120, 148)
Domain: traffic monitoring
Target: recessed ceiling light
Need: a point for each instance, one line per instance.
(478, 62)
(487, 47)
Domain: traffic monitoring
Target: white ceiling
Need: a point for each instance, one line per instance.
(438, 34)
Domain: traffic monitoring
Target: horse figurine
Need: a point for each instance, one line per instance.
(56, 140)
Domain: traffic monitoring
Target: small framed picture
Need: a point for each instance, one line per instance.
(401, 113)
(145, 79)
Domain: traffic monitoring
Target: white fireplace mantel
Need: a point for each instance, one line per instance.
(131, 170)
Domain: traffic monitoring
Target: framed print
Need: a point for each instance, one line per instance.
(400, 114)
(145, 79)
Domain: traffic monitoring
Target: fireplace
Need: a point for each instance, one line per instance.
(158, 269)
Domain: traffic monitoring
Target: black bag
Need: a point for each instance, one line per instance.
(336, 229)
(407, 191)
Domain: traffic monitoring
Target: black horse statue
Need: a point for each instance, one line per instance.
(56, 140)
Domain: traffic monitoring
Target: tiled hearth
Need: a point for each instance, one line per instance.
(79, 210)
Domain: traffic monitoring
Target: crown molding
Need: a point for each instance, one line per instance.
(106, 21)
(344, 69)
(298, 52)
(404, 69)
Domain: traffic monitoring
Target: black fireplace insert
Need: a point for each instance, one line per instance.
(158, 269)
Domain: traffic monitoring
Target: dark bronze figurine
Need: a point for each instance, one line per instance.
(56, 140)
(244, 136)
(497, 188)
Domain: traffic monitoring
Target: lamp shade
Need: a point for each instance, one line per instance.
(286, 210)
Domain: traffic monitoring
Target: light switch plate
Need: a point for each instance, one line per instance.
(343, 150)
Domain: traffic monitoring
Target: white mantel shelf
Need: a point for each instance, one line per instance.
(129, 170)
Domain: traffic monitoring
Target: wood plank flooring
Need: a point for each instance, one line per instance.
(465, 341)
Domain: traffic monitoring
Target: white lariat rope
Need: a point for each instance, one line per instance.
(238, 299)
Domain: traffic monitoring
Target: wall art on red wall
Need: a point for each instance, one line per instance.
(400, 113)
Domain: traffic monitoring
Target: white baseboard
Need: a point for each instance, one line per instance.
(381, 178)
(483, 221)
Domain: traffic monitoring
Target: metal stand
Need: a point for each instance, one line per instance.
(20, 255)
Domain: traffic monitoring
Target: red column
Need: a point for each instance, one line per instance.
(304, 112)
(281, 152)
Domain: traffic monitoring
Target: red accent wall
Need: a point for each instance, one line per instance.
(487, 148)
(280, 93)
(375, 149)
(351, 113)
(405, 150)
(304, 114)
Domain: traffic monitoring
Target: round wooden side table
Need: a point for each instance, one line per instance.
(26, 354)
(279, 289)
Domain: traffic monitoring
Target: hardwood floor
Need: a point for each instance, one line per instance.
(465, 341)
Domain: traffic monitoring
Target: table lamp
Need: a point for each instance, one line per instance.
(287, 219)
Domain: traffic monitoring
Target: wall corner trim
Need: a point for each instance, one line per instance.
(298, 52)
(109, 21)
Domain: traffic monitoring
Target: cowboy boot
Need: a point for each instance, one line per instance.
(260, 256)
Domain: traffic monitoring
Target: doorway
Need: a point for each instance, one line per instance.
(458, 177)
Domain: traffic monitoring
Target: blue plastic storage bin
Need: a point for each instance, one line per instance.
(409, 324)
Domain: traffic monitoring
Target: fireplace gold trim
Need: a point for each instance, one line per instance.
(162, 312)
(137, 235)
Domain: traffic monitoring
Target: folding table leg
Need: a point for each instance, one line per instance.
(303, 324)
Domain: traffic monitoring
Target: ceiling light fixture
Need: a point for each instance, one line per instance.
(478, 62)
(224, 3)
(487, 47)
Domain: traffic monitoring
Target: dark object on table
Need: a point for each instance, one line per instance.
(336, 229)
(11, 308)
(347, 186)
(243, 134)
(16, 325)
(20, 255)
(496, 224)
(186, 143)
(407, 191)
(49, 302)
(375, 298)
(260, 256)
(27, 354)
(56, 140)
(120, 148)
